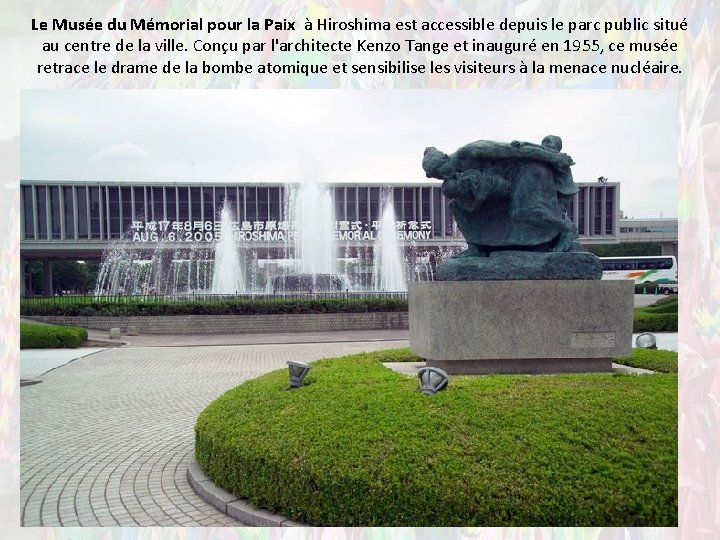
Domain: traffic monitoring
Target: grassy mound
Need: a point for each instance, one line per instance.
(359, 445)
(655, 360)
(662, 316)
(46, 336)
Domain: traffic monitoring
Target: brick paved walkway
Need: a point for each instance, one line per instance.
(105, 439)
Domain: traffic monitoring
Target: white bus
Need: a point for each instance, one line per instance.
(657, 269)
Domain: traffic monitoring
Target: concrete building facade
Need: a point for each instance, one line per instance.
(81, 220)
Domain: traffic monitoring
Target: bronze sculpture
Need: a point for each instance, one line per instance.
(510, 202)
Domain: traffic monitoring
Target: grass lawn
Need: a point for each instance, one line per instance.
(359, 445)
(47, 336)
(655, 360)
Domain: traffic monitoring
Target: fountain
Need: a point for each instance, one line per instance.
(388, 267)
(310, 207)
(113, 265)
(306, 283)
(312, 261)
(227, 272)
(191, 271)
(127, 269)
(314, 242)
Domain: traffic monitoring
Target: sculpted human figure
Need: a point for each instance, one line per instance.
(508, 196)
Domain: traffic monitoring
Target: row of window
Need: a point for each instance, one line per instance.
(601, 199)
(671, 229)
(665, 263)
(81, 212)
(106, 212)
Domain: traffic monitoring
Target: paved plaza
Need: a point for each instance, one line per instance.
(106, 438)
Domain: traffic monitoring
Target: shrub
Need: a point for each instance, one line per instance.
(662, 316)
(655, 360)
(216, 307)
(668, 306)
(651, 322)
(45, 336)
(360, 446)
(87, 311)
(667, 299)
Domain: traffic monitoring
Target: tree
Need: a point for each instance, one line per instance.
(35, 270)
(69, 276)
(74, 276)
(626, 249)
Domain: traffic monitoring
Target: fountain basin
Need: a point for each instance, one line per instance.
(308, 283)
(234, 325)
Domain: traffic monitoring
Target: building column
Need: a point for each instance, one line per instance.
(669, 248)
(23, 276)
(47, 277)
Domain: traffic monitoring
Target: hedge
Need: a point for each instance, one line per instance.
(669, 305)
(358, 445)
(220, 307)
(45, 336)
(659, 317)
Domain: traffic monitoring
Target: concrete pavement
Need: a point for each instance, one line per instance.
(105, 439)
(35, 362)
(210, 340)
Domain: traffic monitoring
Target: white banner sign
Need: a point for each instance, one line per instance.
(267, 231)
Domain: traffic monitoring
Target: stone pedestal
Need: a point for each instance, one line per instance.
(475, 327)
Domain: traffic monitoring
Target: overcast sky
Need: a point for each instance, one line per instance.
(339, 135)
